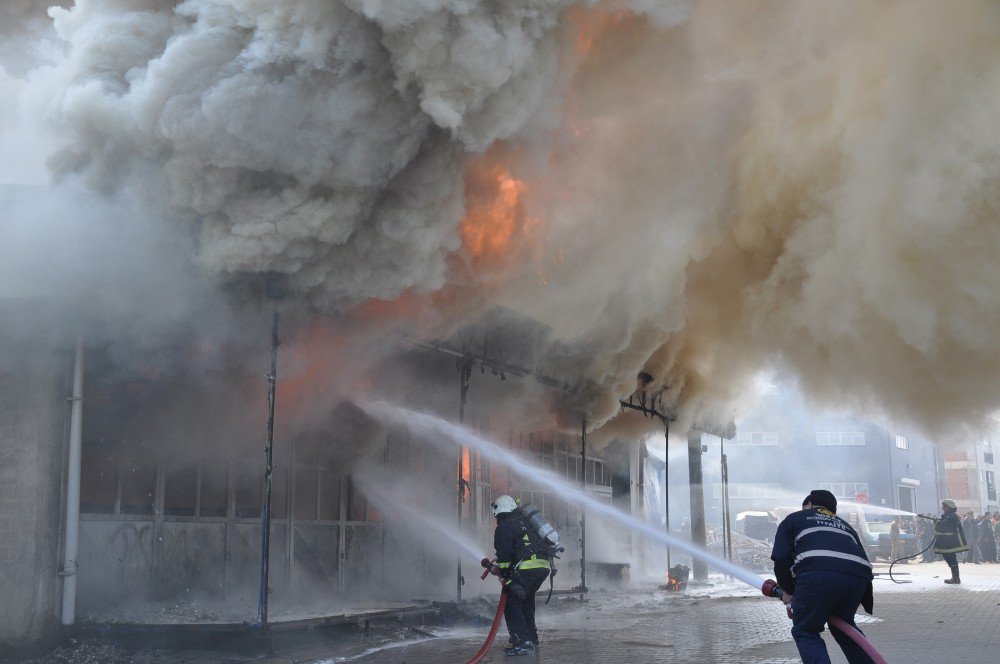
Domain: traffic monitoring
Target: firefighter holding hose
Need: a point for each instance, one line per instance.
(524, 564)
(821, 564)
(949, 538)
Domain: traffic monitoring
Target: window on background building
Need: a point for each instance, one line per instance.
(756, 438)
(845, 490)
(991, 487)
(840, 438)
(902, 442)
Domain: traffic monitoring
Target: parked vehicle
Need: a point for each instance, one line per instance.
(881, 542)
(874, 534)
(851, 513)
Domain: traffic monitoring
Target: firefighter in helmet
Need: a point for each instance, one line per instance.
(524, 566)
(949, 538)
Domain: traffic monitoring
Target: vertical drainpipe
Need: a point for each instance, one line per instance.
(893, 492)
(73, 489)
(583, 514)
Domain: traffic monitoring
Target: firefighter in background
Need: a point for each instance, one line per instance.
(949, 538)
(820, 562)
(524, 566)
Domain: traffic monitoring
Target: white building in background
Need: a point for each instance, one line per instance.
(971, 471)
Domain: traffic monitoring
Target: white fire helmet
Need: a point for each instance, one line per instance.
(504, 505)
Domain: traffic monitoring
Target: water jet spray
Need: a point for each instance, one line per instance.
(432, 424)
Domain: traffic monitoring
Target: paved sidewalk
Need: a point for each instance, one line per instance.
(917, 622)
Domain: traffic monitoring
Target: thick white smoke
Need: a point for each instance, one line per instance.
(713, 188)
(319, 140)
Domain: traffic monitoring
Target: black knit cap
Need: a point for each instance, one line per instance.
(822, 498)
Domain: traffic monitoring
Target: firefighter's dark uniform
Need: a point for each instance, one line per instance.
(949, 539)
(519, 567)
(820, 561)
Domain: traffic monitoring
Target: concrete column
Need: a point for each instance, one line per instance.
(697, 489)
(36, 365)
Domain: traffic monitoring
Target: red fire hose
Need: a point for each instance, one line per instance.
(858, 638)
(491, 568)
(772, 589)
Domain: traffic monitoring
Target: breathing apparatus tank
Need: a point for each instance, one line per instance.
(533, 516)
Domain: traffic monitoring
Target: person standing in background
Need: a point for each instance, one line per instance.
(972, 534)
(987, 543)
(996, 532)
(895, 540)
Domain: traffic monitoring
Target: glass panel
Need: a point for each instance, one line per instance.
(180, 487)
(304, 500)
(214, 489)
(138, 483)
(99, 478)
(248, 481)
(279, 496)
(357, 506)
(329, 496)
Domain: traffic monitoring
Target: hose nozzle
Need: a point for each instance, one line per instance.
(491, 568)
(771, 589)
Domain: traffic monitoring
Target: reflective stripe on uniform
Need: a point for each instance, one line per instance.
(823, 553)
(534, 563)
(504, 565)
(824, 529)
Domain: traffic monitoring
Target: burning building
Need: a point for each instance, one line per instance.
(694, 191)
(171, 491)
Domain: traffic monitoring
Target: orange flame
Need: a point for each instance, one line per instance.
(495, 210)
(587, 25)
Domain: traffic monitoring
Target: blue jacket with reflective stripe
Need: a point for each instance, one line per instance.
(817, 539)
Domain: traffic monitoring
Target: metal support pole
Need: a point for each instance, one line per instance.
(666, 483)
(893, 491)
(465, 375)
(697, 502)
(73, 489)
(583, 514)
(265, 521)
(727, 524)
